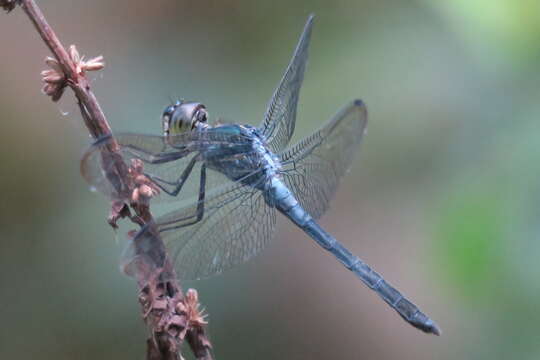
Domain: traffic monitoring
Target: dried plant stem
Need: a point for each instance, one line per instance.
(171, 316)
(96, 122)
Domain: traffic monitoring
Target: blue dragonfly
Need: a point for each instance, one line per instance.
(233, 179)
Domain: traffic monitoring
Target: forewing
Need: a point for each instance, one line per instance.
(314, 167)
(163, 160)
(279, 120)
(236, 225)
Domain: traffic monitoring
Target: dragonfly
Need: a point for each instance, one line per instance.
(233, 180)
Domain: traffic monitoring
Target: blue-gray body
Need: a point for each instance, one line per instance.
(277, 195)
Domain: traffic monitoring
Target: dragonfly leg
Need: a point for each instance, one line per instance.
(146, 237)
(199, 212)
(179, 183)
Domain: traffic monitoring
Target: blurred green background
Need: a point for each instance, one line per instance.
(443, 199)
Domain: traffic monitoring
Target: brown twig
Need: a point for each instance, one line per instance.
(171, 316)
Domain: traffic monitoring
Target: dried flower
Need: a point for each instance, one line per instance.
(52, 76)
(8, 5)
(144, 189)
(94, 64)
(82, 66)
(195, 316)
(55, 78)
(54, 91)
(119, 210)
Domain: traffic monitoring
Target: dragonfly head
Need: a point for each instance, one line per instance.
(183, 116)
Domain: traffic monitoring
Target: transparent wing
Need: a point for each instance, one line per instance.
(279, 120)
(236, 225)
(313, 168)
(164, 161)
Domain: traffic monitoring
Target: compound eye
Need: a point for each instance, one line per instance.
(201, 115)
(168, 111)
(165, 123)
(166, 118)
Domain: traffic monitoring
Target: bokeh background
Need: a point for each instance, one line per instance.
(443, 199)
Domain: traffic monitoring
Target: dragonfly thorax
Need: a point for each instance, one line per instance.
(183, 116)
(246, 158)
(270, 161)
